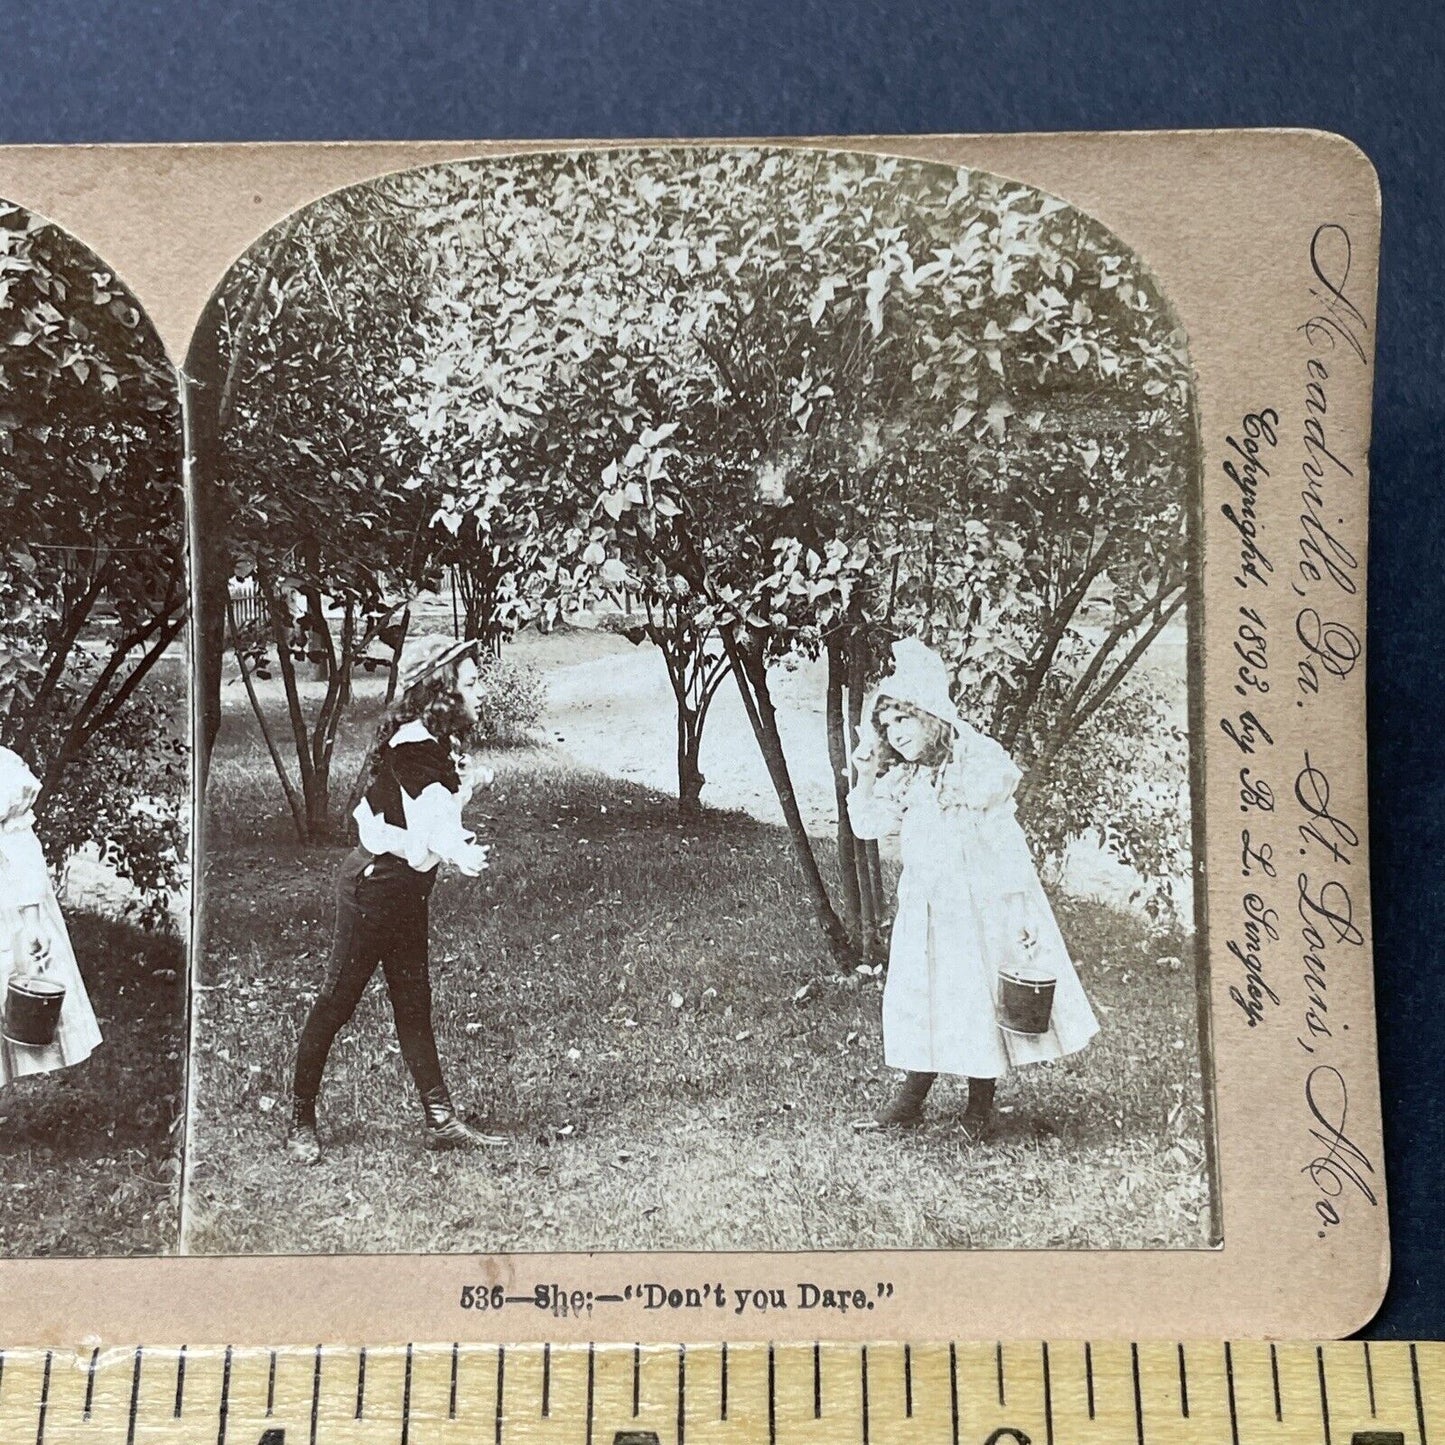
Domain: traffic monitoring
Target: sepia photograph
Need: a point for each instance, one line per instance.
(696, 651)
(94, 759)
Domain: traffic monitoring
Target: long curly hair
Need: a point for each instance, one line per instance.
(938, 742)
(435, 702)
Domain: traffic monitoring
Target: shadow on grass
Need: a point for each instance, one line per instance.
(88, 1155)
(642, 1005)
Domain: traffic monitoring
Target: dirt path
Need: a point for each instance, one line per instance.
(613, 711)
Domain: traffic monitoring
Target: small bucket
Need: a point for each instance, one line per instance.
(1025, 1000)
(32, 1010)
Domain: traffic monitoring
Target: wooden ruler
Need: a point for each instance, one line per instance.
(1060, 1393)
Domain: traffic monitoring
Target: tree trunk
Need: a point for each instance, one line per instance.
(207, 399)
(870, 886)
(394, 671)
(751, 672)
(873, 867)
(694, 679)
(293, 801)
(280, 631)
(838, 756)
(318, 809)
(338, 696)
(689, 774)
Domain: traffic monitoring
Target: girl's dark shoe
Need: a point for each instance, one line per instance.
(905, 1110)
(302, 1142)
(445, 1128)
(978, 1116)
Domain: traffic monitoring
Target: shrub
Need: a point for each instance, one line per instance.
(127, 793)
(1126, 773)
(514, 697)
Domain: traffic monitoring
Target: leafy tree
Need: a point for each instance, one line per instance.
(92, 561)
(894, 399)
(304, 466)
(806, 402)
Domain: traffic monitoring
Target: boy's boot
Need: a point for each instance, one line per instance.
(302, 1143)
(978, 1116)
(445, 1128)
(905, 1110)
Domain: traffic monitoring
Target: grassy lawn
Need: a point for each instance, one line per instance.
(644, 1009)
(88, 1155)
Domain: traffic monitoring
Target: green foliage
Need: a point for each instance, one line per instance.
(128, 794)
(513, 699)
(795, 394)
(92, 563)
(312, 485)
(1125, 774)
(824, 393)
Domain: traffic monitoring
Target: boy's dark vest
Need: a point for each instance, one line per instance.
(409, 768)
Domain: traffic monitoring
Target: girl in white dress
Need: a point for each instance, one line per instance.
(33, 937)
(969, 897)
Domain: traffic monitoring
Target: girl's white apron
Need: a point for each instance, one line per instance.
(968, 886)
(23, 876)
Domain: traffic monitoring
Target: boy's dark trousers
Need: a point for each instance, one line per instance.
(381, 918)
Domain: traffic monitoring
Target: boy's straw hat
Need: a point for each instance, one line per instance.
(920, 679)
(422, 656)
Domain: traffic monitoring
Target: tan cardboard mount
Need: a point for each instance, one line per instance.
(1266, 242)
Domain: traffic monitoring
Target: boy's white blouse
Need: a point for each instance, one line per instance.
(434, 831)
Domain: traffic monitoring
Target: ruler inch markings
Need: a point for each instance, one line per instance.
(1048, 1396)
(1233, 1398)
(501, 1385)
(224, 1409)
(681, 1394)
(134, 1399)
(879, 1393)
(1138, 1393)
(953, 1385)
(591, 1387)
(863, 1381)
(1419, 1397)
(44, 1401)
(406, 1401)
(90, 1382)
(361, 1385)
(315, 1394)
(180, 1383)
(773, 1392)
